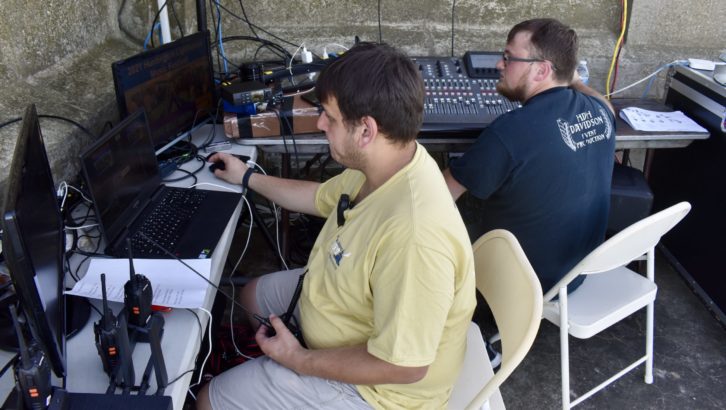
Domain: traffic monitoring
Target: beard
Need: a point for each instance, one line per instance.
(517, 93)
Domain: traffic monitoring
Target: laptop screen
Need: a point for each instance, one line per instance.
(122, 174)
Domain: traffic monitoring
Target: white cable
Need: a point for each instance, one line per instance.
(277, 222)
(80, 227)
(305, 91)
(645, 78)
(289, 65)
(231, 313)
(209, 352)
(215, 185)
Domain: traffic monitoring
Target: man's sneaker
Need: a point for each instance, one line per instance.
(495, 358)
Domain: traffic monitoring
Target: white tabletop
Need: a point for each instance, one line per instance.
(182, 334)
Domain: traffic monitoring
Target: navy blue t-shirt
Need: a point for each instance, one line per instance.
(543, 172)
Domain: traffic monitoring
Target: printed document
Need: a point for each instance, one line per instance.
(173, 284)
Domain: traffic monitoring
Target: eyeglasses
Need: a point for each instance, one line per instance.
(510, 59)
(507, 59)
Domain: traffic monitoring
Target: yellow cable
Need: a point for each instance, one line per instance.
(617, 47)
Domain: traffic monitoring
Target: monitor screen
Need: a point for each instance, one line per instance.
(33, 241)
(173, 83)
(121, 173)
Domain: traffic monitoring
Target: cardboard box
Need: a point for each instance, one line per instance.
(296, 116)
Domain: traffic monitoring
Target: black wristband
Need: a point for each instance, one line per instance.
(246, 178)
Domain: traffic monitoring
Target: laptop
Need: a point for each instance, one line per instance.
(130, 200)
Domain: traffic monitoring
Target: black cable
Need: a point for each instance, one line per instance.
(453, 9)
(265, 42)
(294, 143)
(124, 29)
(215, 23)
(153, 22)
(57, 117)
(252, 24)
(244, 13)
(108, 125)
(9, 364)
(380, 33)
(189, 174)
(54, 117)
(176, 379)
(6, 123)
(173, 12)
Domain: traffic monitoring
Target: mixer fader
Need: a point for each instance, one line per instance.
(455, 101)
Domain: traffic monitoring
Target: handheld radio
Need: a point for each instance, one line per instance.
(106, 332)
(32, 371)
(138, 294)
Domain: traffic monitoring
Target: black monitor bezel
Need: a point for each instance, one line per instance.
(16, 254)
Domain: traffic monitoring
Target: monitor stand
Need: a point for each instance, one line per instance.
(78, 311)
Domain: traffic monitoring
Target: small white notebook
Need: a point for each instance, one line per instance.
(645, 120)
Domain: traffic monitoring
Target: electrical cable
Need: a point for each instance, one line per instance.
(54, 117)
(219, 37)
(234, 269)
(9, 364)
(252, 24)
(618, 44)
(209, 352)
(617, 58)
(675, 62)
(178, 23)
(277, 228)
(244, 13)
(153, 22)
(453, 14)
(149, 36)
(216, 41)
(81, 127)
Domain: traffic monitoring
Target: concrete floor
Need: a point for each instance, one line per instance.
(690, 352)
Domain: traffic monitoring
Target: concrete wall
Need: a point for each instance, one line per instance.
(57, 54)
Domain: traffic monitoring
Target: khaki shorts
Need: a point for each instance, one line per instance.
(264, 384)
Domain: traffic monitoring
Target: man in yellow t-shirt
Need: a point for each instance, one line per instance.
(389, 290)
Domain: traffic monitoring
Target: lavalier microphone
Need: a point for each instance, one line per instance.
(344, 203)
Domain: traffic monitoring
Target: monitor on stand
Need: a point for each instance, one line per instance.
(173, 83)
(34, 244)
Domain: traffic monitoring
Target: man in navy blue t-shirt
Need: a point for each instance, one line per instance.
(543, 171)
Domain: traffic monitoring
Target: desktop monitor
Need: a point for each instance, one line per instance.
(172, 83)
(33, 241)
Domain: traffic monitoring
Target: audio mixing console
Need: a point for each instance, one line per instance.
(456, 102)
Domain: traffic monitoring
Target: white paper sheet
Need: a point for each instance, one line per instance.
(174, 285)
(646, 120)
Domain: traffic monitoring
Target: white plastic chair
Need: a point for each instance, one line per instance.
(611, 292)
(511, 289)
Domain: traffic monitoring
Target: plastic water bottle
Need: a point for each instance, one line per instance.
(583, 71)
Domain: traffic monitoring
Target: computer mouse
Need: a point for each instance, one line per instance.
(210, 155)
(215, 166)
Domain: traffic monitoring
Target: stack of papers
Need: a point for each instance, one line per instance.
(645, 120)
(174, 285)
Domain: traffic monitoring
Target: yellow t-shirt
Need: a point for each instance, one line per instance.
(398, 276)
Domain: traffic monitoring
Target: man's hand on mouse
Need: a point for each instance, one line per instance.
(234, 168)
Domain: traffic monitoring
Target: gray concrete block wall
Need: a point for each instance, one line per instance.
(58, 53)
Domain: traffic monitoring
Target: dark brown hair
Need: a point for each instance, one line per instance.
(552, 41)
(379, 81)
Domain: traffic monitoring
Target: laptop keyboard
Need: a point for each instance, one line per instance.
(167, 221)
